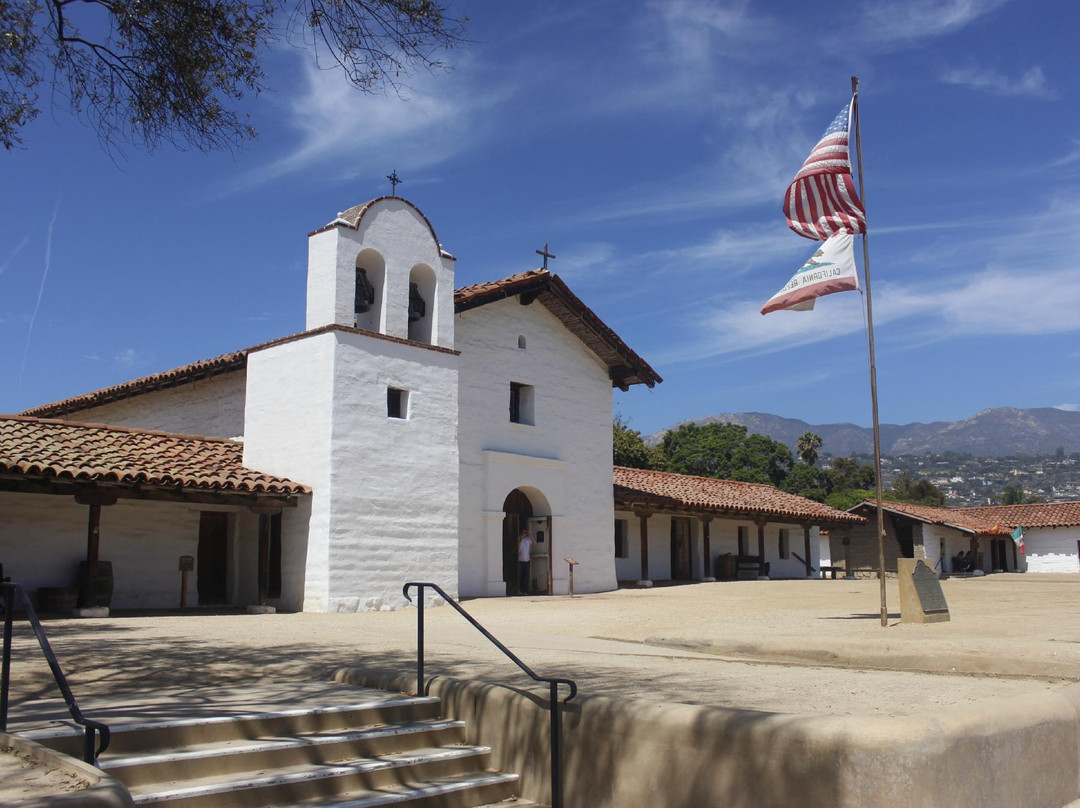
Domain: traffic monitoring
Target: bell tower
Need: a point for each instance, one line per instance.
(379, 267)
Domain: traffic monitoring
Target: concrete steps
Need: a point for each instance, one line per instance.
(368, 749)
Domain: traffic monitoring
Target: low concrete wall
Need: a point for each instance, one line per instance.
(102, 790)
(637, 754)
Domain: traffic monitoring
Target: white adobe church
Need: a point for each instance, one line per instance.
(406, 434)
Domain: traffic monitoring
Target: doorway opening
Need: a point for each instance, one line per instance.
(521, 514)
(212, 566)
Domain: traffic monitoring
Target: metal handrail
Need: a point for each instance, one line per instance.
(90, 727)
(552, 682)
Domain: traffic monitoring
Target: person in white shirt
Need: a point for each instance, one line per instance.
(524, 563)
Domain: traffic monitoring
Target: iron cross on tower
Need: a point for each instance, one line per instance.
(395, 181)
(544, 252)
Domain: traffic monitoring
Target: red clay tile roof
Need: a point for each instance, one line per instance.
(65, 450)
(1039, 514)
(721, 497)
(949, 517)
(624, 366)
(988, 518)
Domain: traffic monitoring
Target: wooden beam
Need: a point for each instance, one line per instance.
(87, 492)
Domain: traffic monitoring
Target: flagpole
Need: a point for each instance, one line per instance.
(873, 361)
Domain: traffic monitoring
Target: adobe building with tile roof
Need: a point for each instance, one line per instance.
(681, 527)
(408, 433)
(1051, 537)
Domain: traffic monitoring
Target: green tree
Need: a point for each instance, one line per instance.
(906, 488)
(1015, 495)
(174, 70)
(806, 481)
(846, 500)
(807, 447)
(846, 474)
(628, 448)
(728, 452)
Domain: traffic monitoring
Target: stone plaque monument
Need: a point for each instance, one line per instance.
(921, 597)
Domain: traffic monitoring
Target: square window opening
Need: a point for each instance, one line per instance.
(522, 403)
(397, 403)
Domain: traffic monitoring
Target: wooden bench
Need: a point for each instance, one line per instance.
(749, 563)
(831, 571)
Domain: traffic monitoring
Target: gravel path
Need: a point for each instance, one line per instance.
(781, 646)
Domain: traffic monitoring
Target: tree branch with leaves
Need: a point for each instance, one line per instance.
(144, 72)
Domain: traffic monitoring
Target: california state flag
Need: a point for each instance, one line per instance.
(830, 269)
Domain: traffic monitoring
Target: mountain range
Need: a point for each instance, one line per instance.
(998, 432)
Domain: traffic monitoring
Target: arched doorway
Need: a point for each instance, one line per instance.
(518, 511)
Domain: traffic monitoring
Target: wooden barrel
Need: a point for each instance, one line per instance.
(57, 598)
(104, 589)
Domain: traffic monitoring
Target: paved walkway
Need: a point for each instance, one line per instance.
(782, 646)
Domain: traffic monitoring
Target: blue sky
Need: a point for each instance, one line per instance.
(650, 144)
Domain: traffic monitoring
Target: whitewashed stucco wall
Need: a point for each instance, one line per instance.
(384, 508)
(394, 481)
(723, 538)
(211, 407)
(1051, 549)
(573, 412)
(399, 234)
(43, 539)
(288, 433)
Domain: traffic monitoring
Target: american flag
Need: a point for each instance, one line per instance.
(821, 201)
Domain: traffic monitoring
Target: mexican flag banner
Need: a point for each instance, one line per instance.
(1018, 537)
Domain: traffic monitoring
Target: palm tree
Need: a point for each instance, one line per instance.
(807, 447)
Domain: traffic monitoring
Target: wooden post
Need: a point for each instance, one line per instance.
(264, 558)
(760, 547)
(643, 517)
(806, 547)
(706, 549)
(88, 598)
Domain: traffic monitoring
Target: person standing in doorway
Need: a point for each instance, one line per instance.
(524, 563)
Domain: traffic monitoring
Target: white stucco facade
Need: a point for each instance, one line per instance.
(1051, 549)
(395, 412)
(560, 458)
(723, 540)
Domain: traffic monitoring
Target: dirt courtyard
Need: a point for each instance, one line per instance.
(777, 646)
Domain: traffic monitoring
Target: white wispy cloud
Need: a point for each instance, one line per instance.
(130, 357)
(1030, 83)
(910, 21)
(1068, 407)
(14, 254)
(336, 127)
(41, 290)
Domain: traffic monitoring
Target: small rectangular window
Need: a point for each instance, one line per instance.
(783, 543)
(397, 403)
(744, 535)
(622, 548)
(522, 397)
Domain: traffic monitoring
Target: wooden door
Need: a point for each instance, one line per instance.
(213, 556)
(680, 548)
